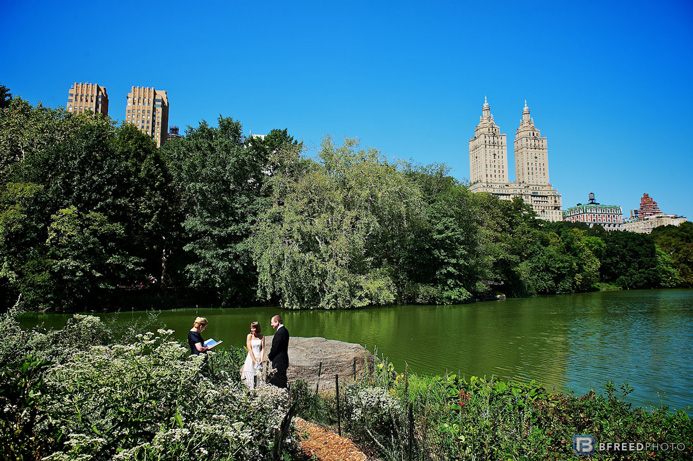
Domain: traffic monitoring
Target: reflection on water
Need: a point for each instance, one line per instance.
(574, 342)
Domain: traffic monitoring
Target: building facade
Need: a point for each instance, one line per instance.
(87, 97)
(610, 217)
(645, 225)
(531, 153)
(648, 207)
(488, 151)
(649, 216)
(147, 109)
(488, 164)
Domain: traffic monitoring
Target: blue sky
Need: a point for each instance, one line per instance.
(610, 84)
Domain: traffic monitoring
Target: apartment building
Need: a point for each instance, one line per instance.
(87, 98)
(147, 109)
(488, 165)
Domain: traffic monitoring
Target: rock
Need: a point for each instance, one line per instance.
(337, 358)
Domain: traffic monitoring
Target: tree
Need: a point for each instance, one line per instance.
(81, 261)
(222, 181)
(148, 203)
(677, 243)
(20, 231)
(5, 97)
(630, 261)
(26, 131)
(509, 230)
(561, 261)
(113, 177)
(336, 235)
(444, 262)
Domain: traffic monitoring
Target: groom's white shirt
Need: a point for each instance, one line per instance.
(280, 326)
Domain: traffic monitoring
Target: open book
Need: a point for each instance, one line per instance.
(211, 343)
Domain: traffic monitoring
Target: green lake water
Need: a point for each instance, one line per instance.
(573, 342)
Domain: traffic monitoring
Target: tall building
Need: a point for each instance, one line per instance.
(87, 97)
(148, 110)
(531, 153)
(488, 152)
(489, 172)
(610, 217)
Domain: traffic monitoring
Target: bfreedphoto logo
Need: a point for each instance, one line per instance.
(584, 444)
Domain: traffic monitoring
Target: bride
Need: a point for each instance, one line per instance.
(255, 342)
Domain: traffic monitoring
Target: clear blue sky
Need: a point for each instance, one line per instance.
(610, 84)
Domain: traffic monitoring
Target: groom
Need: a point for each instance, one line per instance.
(279, 354)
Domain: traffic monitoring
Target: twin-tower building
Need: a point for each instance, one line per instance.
(147, 108)
(488, 165)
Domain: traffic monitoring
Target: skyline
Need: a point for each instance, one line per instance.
(608, 86)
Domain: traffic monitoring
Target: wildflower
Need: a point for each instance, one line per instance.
(464, 398)
(238, 426)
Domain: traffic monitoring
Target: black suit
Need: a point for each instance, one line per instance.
(279, 355)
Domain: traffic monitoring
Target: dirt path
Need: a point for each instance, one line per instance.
(326, 445)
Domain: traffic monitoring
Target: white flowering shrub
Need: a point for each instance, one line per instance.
(372, 412)
(149, 400)
(24, 432)
(14, 338)
(75, 393)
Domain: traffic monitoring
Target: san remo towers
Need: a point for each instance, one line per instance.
(488, 165)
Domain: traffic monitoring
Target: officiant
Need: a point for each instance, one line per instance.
(197, 344)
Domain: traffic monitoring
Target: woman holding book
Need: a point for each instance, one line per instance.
(255, 342)
(197, 344)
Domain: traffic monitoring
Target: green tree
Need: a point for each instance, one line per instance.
(85, 164)
(82, 259)
(445, 260)
(509, 230)
(5, 97)
(630, 261)
(147, 204)
(677, 243)
(20, 231)
(221, 178)
(336, 235)
(561, 261)
(26, 131)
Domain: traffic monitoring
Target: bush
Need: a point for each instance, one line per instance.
(372, 410)
(475, 418)
(70, 394)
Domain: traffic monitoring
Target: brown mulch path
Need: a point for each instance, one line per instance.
(326, 445)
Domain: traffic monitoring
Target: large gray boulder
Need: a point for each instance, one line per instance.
(306, 355)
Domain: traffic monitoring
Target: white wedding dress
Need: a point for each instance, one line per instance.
(249, 370)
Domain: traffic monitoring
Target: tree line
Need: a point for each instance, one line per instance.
(91, 213)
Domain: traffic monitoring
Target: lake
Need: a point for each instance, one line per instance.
(573, 342)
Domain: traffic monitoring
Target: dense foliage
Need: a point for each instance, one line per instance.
(403, 416)
(86, 392)
(84, 206)
(95, 216)
(677, 243)
(221, 178)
